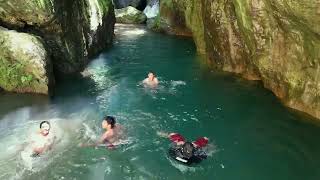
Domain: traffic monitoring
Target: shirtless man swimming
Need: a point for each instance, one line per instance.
(113, 131)
(43, 140)
(112, 134)
(151, 80)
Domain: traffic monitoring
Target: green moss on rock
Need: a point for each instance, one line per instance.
(72, 30)
(277, 41)
(130, 15)
(14, 76)
(24, 64)
(154, 24)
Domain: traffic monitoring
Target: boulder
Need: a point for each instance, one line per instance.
(24, 63)
(73, 31)
(130, 15)
(170, 19)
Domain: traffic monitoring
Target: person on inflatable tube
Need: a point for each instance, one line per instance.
(187, 152)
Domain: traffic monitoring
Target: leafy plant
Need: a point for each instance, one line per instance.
(13, 75)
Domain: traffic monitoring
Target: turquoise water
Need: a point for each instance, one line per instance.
(252, 135)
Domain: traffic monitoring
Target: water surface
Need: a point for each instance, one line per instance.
(252, 135)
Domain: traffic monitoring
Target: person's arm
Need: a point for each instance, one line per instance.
(47, 146)
(145, 81)
(100, 141)
(163, 134)
(105, 140)
(174, 137)
(37, 149)
(52, 143)
(105, 136)
(36, 144)
(156, 80)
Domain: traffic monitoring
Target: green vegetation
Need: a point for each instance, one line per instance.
(13, 75)
(156, 24)
(245, 23)
(167, 3)
(104, 5)
(43, 4)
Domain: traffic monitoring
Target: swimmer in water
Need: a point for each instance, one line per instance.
(113, 131)
(151, 80)
(112, 134)
(184, 151)
(43, 140)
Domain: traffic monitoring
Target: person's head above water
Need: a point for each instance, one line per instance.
(44, 128)
(108, 121)
(151, 75)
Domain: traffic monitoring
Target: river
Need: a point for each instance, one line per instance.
(252, 135)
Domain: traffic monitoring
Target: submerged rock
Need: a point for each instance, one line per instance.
(24, 63)
(130, 15)
(277, 42)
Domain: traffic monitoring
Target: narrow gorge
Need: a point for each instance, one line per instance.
(169, 89)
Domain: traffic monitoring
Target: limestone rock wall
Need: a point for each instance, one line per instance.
(276, 41)
(71, 31)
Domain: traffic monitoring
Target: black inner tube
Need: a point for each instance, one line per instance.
(176, 153)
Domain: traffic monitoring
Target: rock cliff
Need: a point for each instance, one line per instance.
(275, 41)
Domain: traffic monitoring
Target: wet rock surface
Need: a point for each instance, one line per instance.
(24, 63)
(130, 15)
(71, 31)
(277, 42)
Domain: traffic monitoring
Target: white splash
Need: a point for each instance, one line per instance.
(152, 9)
(95, 14)
(134, 32)
(178, 83)
(16, 130)
(129, 31)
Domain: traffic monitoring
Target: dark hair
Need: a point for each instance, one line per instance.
(44, 122)
(187, 150)
(110, 120)
(152, 73)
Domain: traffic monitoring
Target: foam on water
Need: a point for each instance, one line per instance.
(130, 32)
(178, 83)
(164, 87)
(181, 167)
(16, 131)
